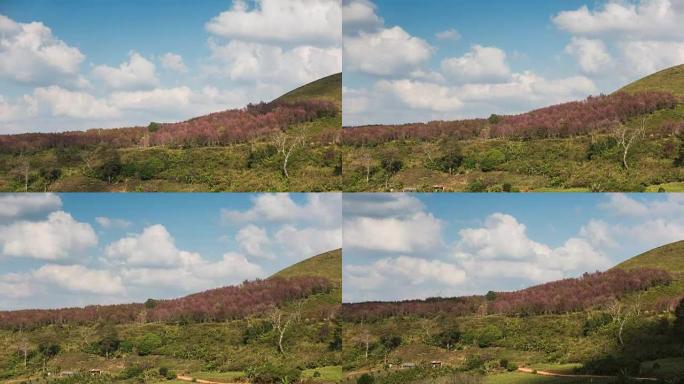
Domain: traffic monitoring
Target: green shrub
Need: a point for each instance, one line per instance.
(365, 379)
(491, 160)
(148, 343)
(131, 372)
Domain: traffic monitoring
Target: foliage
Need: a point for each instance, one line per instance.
(365, 379)
(213, 305)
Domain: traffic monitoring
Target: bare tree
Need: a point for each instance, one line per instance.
(24, 347)
(23, 170)
(627, 137)
(367, 160)
(620, 315)
(286, 145)
(282, 321)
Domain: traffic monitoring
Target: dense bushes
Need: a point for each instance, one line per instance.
(213, 305)
(568, 295)
(221, 128)
(564, 120)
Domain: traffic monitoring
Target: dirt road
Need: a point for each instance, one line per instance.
(546, 373)
(188, 378)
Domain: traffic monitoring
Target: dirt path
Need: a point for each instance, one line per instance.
(553, 374)
(188, 378)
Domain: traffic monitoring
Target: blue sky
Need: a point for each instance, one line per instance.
(404, 246)
(76, 249)
(407, 61)
(80, 64)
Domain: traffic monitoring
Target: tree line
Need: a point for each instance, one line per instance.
(220, 128)
(594, 114)
(591, 290)
(232, 302)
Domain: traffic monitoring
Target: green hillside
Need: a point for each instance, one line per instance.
(670, 79)
(669, 257)
(327, 88)
(236, 350)
(328, 265)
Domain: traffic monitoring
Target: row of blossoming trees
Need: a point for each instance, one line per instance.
(220, 128)
(592, 290)
(595, 114)
(219, 304)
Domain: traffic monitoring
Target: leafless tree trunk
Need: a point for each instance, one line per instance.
(282, 322)
(281, 142)
(627, 138)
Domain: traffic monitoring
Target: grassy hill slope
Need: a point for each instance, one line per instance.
(670, 79)
(328, 265)
(327, 88)
(669, 257)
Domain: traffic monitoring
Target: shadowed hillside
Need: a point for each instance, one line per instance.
(625, 322)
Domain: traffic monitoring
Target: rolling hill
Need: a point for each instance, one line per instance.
(669, 80)
(623, 330)
(573, 146)
(328, 88)
(222, 335)
(234, 150)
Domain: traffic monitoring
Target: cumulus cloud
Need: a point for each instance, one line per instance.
(448, 34)
(359, 15)
(671, 204)
(501, 247)
(18, 205)
(380, 205)
(480, 65)
(57, 237)
(254, 241)
(80, 279)
(418, 232)
(173, 62)
(279, 207)
(153, 247)
(280, 21)
(642, 19)
(262, 63)
(646, 57)
(74, 104)
(598, 233)
(29, 53)
(387, 51)
(137, 73)
(591, 55)
(413, 270)
(306, 242)
(421, 95)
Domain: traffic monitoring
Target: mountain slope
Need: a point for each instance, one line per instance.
(327, 88)
(669, 257)
(670, 79)
(327, 265)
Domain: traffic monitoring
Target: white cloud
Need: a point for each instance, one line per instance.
(502, 248)
(262, 63)
(108, 223)
(421, 95)
(642, 19)
(279, 207)
(388, 51)
(254, 241)
(29, 53)
(359, 15)
(480, 65)
(15, 285)
(18, 205)
(232, 268)
(671, 204)
(282, 21)
(58, 237)
(173, 62)
(418, 232)
(412, 270)
(74, 104)
(307, 242)
(646, 57)
(79, 278)
(449, 34)
(598, 233)
(591, 54)
(154, 247)
(138, 72)
(380, 205)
